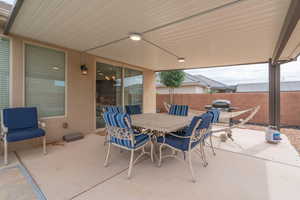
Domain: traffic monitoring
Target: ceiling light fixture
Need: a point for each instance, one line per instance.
(181, 60)
(55, 68)
(135, 36)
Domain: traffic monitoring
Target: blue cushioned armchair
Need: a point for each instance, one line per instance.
(18, 124)
(122, 135)
(187, 140)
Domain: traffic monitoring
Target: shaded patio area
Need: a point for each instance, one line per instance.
(248, 169)
(78, 65)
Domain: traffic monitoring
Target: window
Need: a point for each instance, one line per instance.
(45, 80)
(4, 72)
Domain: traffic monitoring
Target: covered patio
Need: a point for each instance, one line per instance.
(71, 59)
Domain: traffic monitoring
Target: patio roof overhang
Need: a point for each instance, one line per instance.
(206, 33)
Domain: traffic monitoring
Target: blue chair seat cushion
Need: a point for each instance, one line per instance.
(24, 134)
(176, 142)
(140, 140)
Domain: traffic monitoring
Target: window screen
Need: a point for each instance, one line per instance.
(45, 80)
(4, 72)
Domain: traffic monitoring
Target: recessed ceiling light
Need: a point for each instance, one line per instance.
(181, 60)
(55, 68)
(135, 36)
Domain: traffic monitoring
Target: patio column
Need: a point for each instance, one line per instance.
(149, 93)
(274, 94)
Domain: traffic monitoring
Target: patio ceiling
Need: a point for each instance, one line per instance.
(206, 33)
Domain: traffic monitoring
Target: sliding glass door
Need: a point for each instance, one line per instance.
(116, 86)
(108, 89)
(133, 87)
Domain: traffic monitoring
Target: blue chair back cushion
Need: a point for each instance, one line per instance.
(120, 120)
(181, 110)
(123, 120)
(216, 115)
(114, 109)
(20, 118)
(133, 109)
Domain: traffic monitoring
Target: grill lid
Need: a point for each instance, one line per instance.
(221, 103)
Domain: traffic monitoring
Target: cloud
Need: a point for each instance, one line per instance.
(232, 75)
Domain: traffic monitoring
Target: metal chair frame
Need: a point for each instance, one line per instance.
(196, 136)
(129, 135)
(4, 131)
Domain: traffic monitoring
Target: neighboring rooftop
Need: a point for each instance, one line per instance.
(264, 87)
(199, 80)
(5, 10)
(211, 83)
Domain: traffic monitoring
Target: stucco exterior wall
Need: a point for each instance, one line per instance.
(80, 109)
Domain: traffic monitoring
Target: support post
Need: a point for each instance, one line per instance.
(274, 94)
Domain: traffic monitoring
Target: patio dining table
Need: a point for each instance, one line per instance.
(160, 122)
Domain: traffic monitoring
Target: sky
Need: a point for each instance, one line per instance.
(9, 1)
(256, 73)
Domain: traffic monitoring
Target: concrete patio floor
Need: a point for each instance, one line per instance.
(76, 171)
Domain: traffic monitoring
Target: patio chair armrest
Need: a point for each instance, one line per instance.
(179, 136)
(42, 124)
(3, 130)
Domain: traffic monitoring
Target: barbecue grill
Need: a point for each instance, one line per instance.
(222, 104)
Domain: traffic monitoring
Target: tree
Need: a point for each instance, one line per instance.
(172, 79)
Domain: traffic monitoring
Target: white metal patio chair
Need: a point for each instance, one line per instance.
(122, 135)
(187, 141)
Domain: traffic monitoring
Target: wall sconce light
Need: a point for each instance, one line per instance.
(84, 69)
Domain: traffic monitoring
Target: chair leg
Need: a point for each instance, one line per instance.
(151, 152)
(191, 166)
(130, 164)
(160, 155)
(107, 156)
(105, 138)
(5, 152)
(205, 163)
(44, 145)
(211, 145)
